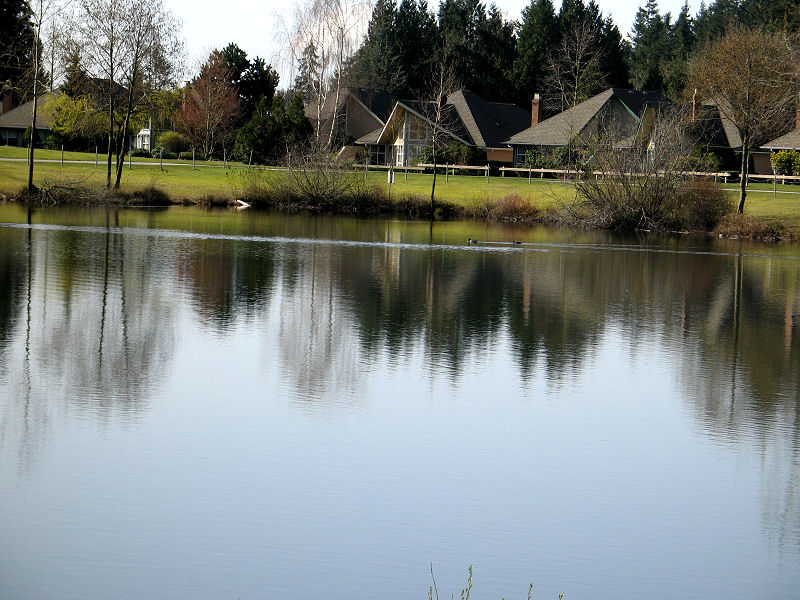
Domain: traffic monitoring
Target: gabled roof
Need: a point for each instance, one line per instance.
(450, 123)
(378, 102)
(467, 118)
(20, 117)
(789, 141)
(715, 128)
(560, 129)
(489, 124)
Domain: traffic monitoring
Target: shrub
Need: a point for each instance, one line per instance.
(786, 162)
(188, 155)
(174, 142)
(511, 207)
(140, 152)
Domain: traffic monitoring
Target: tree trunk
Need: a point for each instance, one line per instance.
(110, 133)
(743, 174)
(121, 150)
(32, 141)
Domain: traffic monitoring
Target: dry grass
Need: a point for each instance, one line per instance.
(748, 226)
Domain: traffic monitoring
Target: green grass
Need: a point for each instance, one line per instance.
(470, 191)
(43, 154)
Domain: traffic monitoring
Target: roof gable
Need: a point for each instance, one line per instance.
(561, 129)
(20, 117)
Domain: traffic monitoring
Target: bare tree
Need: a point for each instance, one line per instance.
(439, 113)
(210, 105)
(574, 70)
(333, 28)
(129, 46)
(645, 181)
(152, 49)
(42, 11)
(751, 75)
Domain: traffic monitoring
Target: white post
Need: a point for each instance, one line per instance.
(194, 166)
(95, 156)
(62, 155)
(250, 162)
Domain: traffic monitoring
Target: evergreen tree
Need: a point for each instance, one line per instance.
(475, 41)
(273, 130)
(650, 42)
(306, 82)
(418, 41)
(494, 56)
(681, 44)
(713, 21)
(538, 33)
(378, 64)
(253, 79)
(16, 46)
(76, 82)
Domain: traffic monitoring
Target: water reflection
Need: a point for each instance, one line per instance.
(89, 318)
(96, 318)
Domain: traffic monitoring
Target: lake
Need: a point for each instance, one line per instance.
(215, 404)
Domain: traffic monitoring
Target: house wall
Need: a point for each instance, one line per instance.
(504, 155)
(761, 163)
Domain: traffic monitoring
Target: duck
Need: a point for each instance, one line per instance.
(516, 243)
(471, 241)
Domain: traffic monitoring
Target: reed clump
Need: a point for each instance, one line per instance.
(747, 226)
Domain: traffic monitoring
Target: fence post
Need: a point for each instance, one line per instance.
(62, 155)
(161, 159)
(95, 157)
(529, 175)
(487, 172)
(250, 162)
(224, 159)
(194, 167)
(130, 158)
(446, 171)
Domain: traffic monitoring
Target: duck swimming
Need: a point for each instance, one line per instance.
(471, 241)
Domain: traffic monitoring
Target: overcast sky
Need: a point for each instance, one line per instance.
(255, 25)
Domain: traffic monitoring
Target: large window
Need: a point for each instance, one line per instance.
(377, 155)
(398, 155)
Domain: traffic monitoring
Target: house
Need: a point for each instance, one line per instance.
(467, 119)
(788, 141)
(16, 121)
(617, 111)
(358, 112)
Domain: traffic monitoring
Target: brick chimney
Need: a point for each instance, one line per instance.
(797, 114)
(5, 102)
(536, 110)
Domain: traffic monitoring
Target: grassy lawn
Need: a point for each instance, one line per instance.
(41, 153)
(469, 191)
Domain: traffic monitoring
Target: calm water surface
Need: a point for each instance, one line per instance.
(200, 404)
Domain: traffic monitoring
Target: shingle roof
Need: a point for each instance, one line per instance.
(560, 129)
(489, 124)
(789, 141)
(20, 117)
(370, 138)
(715, 128)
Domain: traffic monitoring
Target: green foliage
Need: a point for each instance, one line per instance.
(557, 158)
(75, 119)
(274, 130)
(455, 153)
(174, 142)
(786, 162)
(253, 79)
(538, 33)
(16, 46)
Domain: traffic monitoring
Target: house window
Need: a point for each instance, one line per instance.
(417, 130)
(398, 155)
(519, 154)
(377, 154)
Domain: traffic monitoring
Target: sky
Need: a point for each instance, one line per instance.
(257, 25)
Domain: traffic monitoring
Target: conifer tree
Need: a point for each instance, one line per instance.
(649, 39)
(538, 33)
